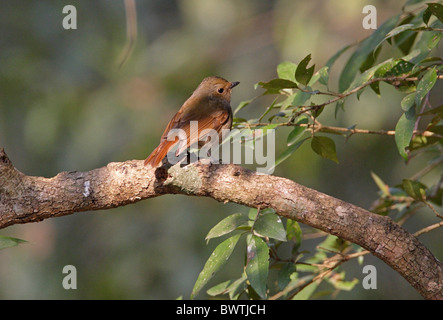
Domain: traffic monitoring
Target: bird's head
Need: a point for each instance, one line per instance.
(216, 88)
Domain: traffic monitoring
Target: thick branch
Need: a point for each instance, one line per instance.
(26, 199)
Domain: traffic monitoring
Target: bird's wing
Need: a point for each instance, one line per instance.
(214, 120)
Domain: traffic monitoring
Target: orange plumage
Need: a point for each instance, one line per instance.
(210, 105)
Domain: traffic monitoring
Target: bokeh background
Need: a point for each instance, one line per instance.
(65, 105)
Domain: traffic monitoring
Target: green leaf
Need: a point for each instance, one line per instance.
(270, 225)
(333, 243)
(332, 60)
(268, 109)
(274, 86)
(368, 74)
(324, 75)
(216, 261)
(287, 153)
(325, 147)
(294, 233)
(411, 2)
(227, 225)
(316, 111)
(237, 287)
(286, 70)
(427, 15)
(233, 287)
(396, 31)
(397, 67)
(405, 40)
(257, 266)
(297, 132)
(281, 114)
(408, 102)
(359, 56)
(436, 9)
(267, 128)
(425, 85)
(436, 111)
(242, 105)
(284, 275)
(306, 292)
(404, 130)
(304, 74)
(339, 106)
(415, 189)
(384, 188)
(339, 283)
(425, 43)
(220, 288)
(297, 99)
(6, 242)
(370, 60)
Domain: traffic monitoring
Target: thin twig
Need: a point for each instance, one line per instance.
(131, 31)
(331, 129)
(428, 228)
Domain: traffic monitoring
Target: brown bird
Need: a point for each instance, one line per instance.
(210, 105)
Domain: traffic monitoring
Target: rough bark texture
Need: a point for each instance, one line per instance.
(27, 199)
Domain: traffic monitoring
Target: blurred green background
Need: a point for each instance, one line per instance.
(65, 105)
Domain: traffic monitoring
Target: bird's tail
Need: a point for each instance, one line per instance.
(159, 153)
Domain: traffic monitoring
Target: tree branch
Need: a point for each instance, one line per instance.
(26, 199)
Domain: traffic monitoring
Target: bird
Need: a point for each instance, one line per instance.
(210, 105)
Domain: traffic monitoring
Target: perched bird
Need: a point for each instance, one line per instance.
(210, 105)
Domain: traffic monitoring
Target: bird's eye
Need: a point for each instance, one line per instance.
(220, 90)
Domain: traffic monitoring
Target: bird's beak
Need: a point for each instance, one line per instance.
(233, 84)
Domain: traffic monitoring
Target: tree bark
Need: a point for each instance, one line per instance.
(26, 199)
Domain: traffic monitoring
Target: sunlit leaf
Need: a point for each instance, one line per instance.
(257, 266)
(227, 225)
(324, 75)
(306, 292)
(415, 189)
(286, 70)
(384, 188)
(216, 261)
(6, 242)
(233, 287)
(294, 233)
(339, 282)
